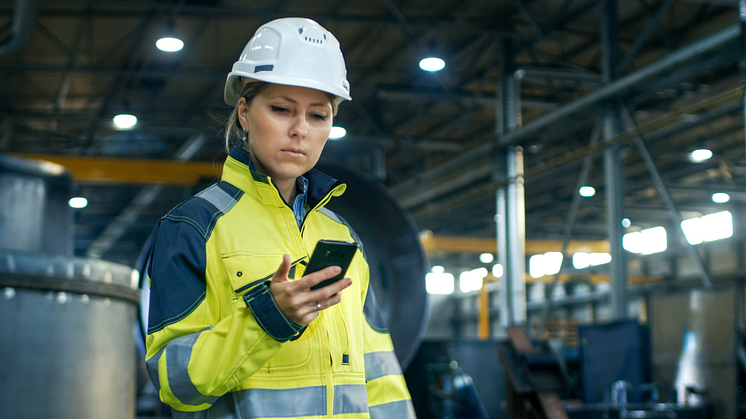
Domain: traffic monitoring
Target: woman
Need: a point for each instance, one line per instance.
(231, 335)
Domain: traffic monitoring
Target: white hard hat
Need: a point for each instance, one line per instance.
(291, 51)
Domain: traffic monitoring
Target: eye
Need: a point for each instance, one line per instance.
(320, 117)
(279, 109)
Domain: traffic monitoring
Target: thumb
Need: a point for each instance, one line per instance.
(282, 272)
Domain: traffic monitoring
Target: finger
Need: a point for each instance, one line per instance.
(282, 272)
(331, 301)
(330, 290)
(314, 278)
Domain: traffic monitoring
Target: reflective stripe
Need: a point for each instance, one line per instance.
(178, 352)
(221, 199)
(152, 366)
(350, 398)
(402, 409)
(381, 364)
(289, 403)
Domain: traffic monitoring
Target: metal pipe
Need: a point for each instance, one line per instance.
(23, 23)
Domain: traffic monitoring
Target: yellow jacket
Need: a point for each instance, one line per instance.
(217, 344)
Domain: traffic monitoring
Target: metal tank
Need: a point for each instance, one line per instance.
(66, 323)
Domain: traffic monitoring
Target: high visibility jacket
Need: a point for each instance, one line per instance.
(219, 347)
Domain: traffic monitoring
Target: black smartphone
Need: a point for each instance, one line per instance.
(331, 253)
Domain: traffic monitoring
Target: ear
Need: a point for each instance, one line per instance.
(243, 113)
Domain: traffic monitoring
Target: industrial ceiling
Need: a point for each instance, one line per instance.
(67, 67)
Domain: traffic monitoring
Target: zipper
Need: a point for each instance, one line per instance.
(345, 338)
(320, 204)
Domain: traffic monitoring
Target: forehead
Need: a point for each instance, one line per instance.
(301, 95)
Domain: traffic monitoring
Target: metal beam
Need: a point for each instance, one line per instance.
(477, 245)
(533, 127)
(107, 170)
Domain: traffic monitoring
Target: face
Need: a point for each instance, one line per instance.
(288, 127)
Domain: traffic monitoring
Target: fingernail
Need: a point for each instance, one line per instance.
(336, 269)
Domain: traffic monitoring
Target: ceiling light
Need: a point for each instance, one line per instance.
(78, 202)
(626, 223)
(720, 197)
(486, 257)
(587, 191)
(125, 121)
(169, 44)
(337, 133)
(700, 155)
(432, 64)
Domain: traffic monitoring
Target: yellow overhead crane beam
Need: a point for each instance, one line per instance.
(453, 244)
(138, 171)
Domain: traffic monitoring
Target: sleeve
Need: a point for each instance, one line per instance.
(195, 354)
(388, 396)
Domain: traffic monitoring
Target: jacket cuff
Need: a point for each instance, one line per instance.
(268, 314)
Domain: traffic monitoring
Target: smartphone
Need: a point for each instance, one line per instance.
(331, 253)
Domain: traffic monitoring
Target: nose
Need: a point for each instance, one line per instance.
(299, 127)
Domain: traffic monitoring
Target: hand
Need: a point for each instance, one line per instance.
(296, 299)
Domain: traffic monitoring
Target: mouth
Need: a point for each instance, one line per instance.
(293, 153)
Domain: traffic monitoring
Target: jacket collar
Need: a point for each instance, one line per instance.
(239, 171)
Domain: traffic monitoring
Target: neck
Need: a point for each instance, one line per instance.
(288, 191)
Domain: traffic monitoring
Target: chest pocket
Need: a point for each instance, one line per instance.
(248, 269)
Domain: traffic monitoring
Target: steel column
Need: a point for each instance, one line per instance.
(614, 161)
(510, 200)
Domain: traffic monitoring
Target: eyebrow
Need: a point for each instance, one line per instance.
(289, 99)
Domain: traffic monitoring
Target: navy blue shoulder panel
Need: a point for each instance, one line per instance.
(178, 259)
(336, 217)
(203, 210)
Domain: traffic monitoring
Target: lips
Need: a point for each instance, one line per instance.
(293, 153)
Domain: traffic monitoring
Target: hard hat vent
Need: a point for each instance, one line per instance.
(313, 40)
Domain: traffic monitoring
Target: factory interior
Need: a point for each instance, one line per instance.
(554, 214)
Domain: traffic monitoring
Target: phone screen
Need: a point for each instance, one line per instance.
(331, 253)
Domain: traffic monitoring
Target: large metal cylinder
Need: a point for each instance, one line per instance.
(66, 324)
(35, 215)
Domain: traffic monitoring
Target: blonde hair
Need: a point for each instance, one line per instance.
(233, 131)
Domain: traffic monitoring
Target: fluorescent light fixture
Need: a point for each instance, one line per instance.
(472, 280)
(648, 241)
(708, 228)
(486, 257)
(582, 260)
(547, 264)
(78, 202)
(432, 64)
(720, 197)
(169, 44)
(700, 155)
(587, 191)
(439, 283)
(125, 121)
(337, 133)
